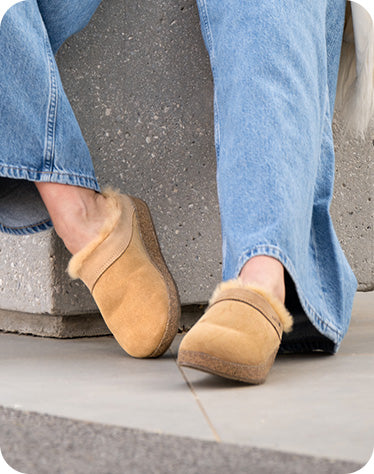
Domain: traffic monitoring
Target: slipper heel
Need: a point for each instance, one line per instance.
(150, 240)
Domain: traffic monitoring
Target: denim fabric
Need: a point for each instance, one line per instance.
(275, 66)
(40, 139)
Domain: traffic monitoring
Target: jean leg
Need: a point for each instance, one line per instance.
(64, 18)
(40, 138)
(337, 281)
(272, 83)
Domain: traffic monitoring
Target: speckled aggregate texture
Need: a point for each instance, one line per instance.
(139, 81)
(33, 278)
(352, 207)
(25, 272)
(41, 444)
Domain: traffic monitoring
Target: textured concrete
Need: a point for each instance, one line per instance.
(352, 207)
(139, 81)
(78, 325)
(33, 277)
(49, 325)
(153, 101)
(141, 87)
(41, 444)
(313, 405)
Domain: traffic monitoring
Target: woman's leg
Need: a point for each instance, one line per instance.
(274, 65)
(77, 213)
(63, 18)
(40, 137)
(116, 251)
(267, 272)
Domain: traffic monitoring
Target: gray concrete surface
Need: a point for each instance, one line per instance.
(79, 447)
(139, 81)
(352, 207)
(140, 84)
(79, 325)
(33, 277)
(49, 325)
(311, 405)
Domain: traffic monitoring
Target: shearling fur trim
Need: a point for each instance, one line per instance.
(283, 314)
(114, 209)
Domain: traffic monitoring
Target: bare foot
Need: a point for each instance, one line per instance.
(77, 213)
(267, 272)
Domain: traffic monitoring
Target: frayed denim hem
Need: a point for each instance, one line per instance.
(326, 329)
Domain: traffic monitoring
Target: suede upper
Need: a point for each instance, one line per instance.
(133, 296)
(125, 272)
(239, 334)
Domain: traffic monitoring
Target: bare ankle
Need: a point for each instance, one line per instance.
(267, 272)
(77, 213)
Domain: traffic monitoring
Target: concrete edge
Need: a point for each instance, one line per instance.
(37, 443)
(71, 326)
(49, 325)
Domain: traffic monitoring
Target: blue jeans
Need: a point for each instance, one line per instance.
(275, 66)
(40, 138)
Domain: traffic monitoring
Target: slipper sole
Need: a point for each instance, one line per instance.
(253, 374)
(152, 246)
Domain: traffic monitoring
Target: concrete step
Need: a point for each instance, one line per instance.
(313, 407)
(42, 444)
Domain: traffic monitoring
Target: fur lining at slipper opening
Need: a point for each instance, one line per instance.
(114, 210)
(283, 314)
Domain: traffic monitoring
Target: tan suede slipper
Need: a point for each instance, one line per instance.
(239, 335)
(129, 280)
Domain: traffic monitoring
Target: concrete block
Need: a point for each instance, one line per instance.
(49, 325)
(33, 277)
(139, 81)
(75, 325)
(141, 87)
(153, 101)
(352, 207)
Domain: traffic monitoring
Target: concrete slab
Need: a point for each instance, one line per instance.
(352, 206)
(319, 406)
(140, 84)
(78, 325)
(360, 336)
(50, 325)
(42, 444)
(94, 380)
(33, 277)
(311, 404)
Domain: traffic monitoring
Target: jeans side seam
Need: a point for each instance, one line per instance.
(49, 145)
(208, 29)
(210, 47)
(313, 234)
(275, 251)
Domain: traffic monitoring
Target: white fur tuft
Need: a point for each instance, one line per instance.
(355, 89)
